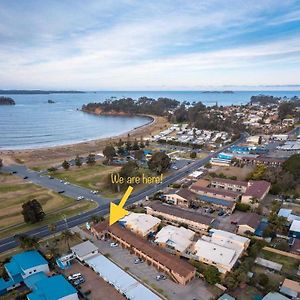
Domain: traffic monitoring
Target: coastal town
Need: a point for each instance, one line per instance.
(219, 220)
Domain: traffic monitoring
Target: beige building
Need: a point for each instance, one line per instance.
(141, 224)
(179, 216)
(176, 239)
(248, 223)
(256, 191)
(182, 198)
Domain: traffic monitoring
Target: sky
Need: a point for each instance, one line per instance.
(150, 45)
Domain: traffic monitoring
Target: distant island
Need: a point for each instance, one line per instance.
(51, 101)
(7, 101)
(36, 92)
(217, 92)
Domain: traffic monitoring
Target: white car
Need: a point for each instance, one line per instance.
(80, 198)
(75, 276)
(113, 245)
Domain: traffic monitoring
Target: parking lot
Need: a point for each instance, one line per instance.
(197, 289)
(100, 289)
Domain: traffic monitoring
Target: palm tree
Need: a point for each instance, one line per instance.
(28, 242)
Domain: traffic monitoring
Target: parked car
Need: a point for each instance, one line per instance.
(138, 261)
(75, 276)
(61, 191)
(25, 177)
(234, 222)
(80, 198)
(113, 245)
(79, 281)
(221, 213)
(51, 177)
(161, 277)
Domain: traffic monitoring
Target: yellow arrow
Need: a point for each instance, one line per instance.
(117, 212)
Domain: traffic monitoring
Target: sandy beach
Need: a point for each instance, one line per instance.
(45, 157)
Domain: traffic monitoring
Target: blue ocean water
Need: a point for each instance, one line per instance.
(33, 123)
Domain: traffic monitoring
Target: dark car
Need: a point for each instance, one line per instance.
(61, 192)
(25, 177)
(221, 213)
(14, 172)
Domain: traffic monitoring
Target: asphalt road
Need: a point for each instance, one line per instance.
(74, 191)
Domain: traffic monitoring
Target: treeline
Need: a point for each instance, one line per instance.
(36, 92)
(7, 101)
(143, 105)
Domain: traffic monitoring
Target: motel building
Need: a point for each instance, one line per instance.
(179, 270)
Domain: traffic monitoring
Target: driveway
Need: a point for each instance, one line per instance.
(100, 290)
(197, 289)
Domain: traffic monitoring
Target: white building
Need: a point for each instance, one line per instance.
(84, 250)
(175, 238)
(141, 224)
(221, 250)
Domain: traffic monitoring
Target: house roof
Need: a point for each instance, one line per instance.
(250, 219)
(186, 194)
(52, 288)
(179, 238)
(181, 213)
(25, 260)
(172, 262)
(84, 248)
(222, 202)
(140, 222)
(216, 192)
(230, 181)
(257, 189)
(295, 226)
(202, 182)
(292, 285)
(274, 296)
(226, 297)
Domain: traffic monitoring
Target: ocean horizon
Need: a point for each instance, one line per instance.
(34, 123)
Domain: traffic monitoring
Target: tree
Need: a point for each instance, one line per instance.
(91, 159)
(159, 162)
(193, 155)
(292, 165)
(65, 165)
(138, 154)
(96, 219)
(109, 152)
(135, 145)
(78, 162)
(147, 143)
(28, 242)
(1, 163)
(263, 279)
(128, 145)
(211, 275)
(32, 211)
(67, 236)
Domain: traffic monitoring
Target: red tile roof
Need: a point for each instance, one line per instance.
(216, 192)
(257, 188)
(250, 219)
(172, 262)
(230, 181)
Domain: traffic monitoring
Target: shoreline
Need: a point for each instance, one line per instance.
(51, 155)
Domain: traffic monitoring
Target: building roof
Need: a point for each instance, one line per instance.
(24, 261)
(51, 288)
(214, 252)
(186, 194)
(221, 202)
(226, 297)
(291, 285)
(274, 296)
(140, 222)
(295, 247)
(84, 248)
(250, 219)
(172, 262)
(295, 226)
(216, 192)
(121, 280)
(178, 238)
(181, 213)
(230, 181)
(202, 182)
(257, 188)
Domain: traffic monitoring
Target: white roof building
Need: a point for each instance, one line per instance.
(295, 227)
(121, 281)
(141, 224)
(84, 250)
(222, 249)
(176, 238)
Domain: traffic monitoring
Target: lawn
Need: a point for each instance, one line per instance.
(240, 173)
(14, 192)
(289, 264)
(91, 177)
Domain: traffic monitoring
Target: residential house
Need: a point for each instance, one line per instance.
(256, 191)
(182, 197)
(248, 223)
(85, 250)
(290, 288)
